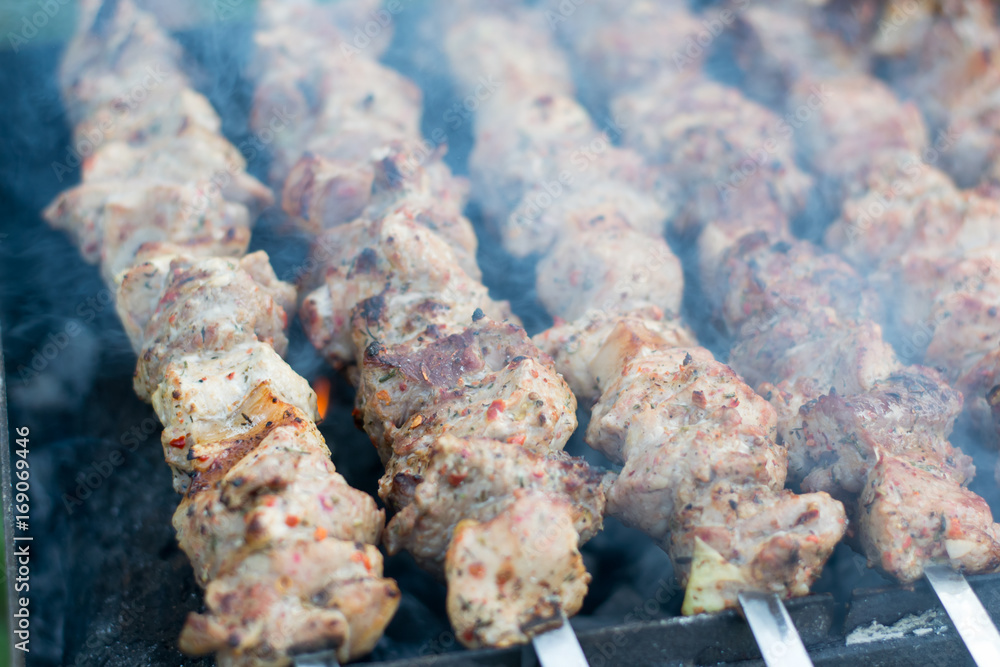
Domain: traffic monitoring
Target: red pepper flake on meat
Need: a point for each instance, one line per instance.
(362, 557)
(383, 396)
(291, 521)
(496, 407)
(179, 442)
(516, 439)
(457, 478)
(477, 570)
(320, 534)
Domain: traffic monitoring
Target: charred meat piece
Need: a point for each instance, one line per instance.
(363, 259)
(910, 414)
(487, 380)
(439, 486)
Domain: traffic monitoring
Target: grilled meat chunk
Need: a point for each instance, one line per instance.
(585, 270)
(198, 401)
(857, 117)
(209, 305)
(938, 249)
(441, 485)
(111, 221)
(487, 380)
(573, 345)
(292, 599)
(912, 515)
(855, 422)
(362, 259)
(194, 154)
(777, 46)
(721, 150)
(700, 463)
(838, 438)
(268, 482)
(514, 575)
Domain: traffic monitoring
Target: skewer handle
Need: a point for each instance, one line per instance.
(973, 623)
(779, 641)
(559, 647)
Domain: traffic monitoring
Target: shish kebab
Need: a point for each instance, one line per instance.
(283, 546)
(467, 414)
(702, 474)
(928, 240)
(938, 246)
(902, 221)
(804, 321)
(933, 243)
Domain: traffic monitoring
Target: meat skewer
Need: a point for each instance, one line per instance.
(943, 55)
(779, 293)
(701, 474)
(893, 199)
(468, 416)
(792, 305)
(281, 543)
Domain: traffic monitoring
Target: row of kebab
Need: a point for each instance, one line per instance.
(468, 414)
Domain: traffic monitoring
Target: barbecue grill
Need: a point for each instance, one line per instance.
(110, 585)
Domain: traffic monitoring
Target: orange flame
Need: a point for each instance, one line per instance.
(321, 386)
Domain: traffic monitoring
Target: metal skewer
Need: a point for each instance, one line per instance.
(559, 647)
(974, 625)
(326, 658)
(772, 627)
